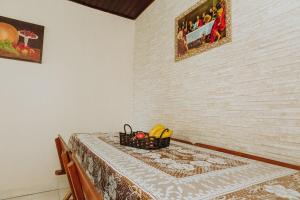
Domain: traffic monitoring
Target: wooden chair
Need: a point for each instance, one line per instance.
(64, 154)
(83, 188)
(60, 147)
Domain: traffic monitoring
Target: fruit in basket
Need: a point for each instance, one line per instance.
(140, 135)
(167, 134)
(164, 133)
(158, 133)
(157, 128)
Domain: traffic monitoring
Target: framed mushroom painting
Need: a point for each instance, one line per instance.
(21, 40)
(204, 26)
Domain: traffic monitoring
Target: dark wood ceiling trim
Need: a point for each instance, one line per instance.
(114, 4)
(142, 8)
(129, 9)
(105, 4)
(125, 6)
(104, 10)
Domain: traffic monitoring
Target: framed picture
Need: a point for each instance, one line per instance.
(21, 40)
(204, 26)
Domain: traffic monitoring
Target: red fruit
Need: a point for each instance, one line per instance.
(140, 135)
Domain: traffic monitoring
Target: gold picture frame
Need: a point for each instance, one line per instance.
(204, 26)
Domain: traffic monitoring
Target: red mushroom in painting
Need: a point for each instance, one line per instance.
(28, 35)
(24, 48)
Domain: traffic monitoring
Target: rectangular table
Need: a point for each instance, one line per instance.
(181, 171)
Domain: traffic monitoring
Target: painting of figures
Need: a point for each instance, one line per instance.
(204, 26)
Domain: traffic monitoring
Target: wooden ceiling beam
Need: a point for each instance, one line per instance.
(130, 9)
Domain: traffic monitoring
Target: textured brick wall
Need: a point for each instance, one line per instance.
(244, 95)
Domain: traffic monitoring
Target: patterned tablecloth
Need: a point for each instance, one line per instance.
(180, 171)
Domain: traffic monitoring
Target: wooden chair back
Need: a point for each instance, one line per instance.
(83, 187)
(64, 154)
(61, 147)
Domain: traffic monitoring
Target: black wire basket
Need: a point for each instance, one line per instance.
(128, 138)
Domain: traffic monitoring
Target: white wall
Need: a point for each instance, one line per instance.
(83, 85)
(243, 95)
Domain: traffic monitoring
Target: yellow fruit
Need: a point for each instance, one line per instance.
(167, 134)
(158, 132)
(156, 128)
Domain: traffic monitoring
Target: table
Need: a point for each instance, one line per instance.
(181, 171)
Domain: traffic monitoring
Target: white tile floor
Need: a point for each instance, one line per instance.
(53, 195)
